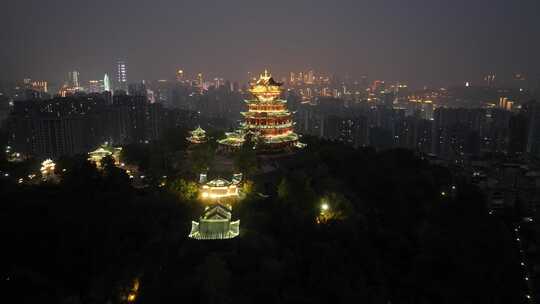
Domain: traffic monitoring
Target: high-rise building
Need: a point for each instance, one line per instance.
(57, 136)
(532, 110)
(73, 79)
(180, 75)
(129, 118)
(138, 89)
(490, 79)
(310, 77)
(106, 83)
(59, 126)
(121, 74)
(40, 86)
(518, 133)
(505, 103)
(200, 81)
(95, 86)
(218, 82)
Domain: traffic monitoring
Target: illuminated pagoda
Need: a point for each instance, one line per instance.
(198, 136)
(97, 155)
(268, 120)
(215, 224)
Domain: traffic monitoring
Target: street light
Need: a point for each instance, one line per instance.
(325, 207)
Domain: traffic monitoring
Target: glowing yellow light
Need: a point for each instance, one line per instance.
(131, 297)
(47, 167)
(325, 207)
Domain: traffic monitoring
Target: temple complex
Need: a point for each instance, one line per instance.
(267, 120)
(216, 222)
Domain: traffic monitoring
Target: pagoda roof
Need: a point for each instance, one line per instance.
(235, 139)
(282, 138)
(215, 224)
(266, 113)
(218, 182)
(268, 80)
(100, 151)
(231, 142)
(199, 131)
(258, 101)
(217, 212)
(214, 230)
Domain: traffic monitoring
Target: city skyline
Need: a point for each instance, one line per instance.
(421, 43)
(277, 151)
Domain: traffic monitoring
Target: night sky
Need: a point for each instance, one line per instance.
(422, 42)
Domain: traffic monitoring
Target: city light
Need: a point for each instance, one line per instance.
(325, 207)
(47, 168)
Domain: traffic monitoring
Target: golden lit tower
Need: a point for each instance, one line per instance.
(268, 120)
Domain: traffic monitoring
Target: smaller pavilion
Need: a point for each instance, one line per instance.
(220, 190)
(198, 136)
(97, 155)
(215, 224)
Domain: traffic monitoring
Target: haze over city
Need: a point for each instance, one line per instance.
(419, 42)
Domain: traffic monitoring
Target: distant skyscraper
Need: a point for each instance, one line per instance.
(40, 86)
(137, 89)
(218, 82)
(490, 79)
(106, 83)
(180, 75)
(95, 86)
(121, 76)
(200, 82)
(310, 77)
(73, 79)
